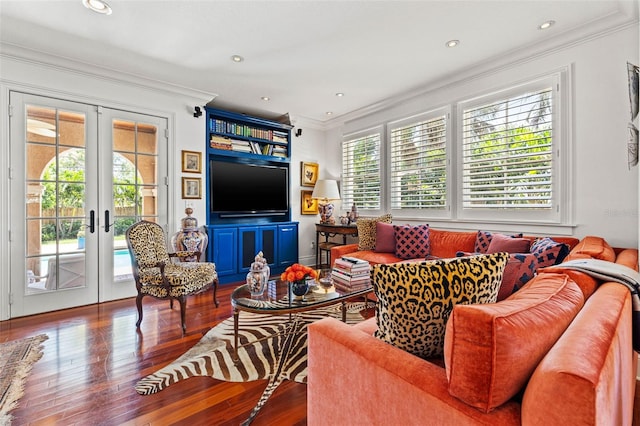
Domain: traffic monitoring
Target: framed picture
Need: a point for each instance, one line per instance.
(308, 205)
(191, 188)
(308, 173)
(191, 162)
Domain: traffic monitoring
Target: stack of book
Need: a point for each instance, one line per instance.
(351, 274)
(219, 142)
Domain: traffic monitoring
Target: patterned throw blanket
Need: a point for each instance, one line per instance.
(609, 271)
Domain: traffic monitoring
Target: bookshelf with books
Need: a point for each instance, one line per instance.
(238, 135)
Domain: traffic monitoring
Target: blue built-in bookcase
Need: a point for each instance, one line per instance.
(248, 193)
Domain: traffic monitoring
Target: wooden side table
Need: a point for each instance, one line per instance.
(329, 231)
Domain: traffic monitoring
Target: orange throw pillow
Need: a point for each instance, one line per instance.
(595, 247)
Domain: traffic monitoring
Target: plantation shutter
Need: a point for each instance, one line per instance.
(361, 172)
(507, 153)
(418, 165)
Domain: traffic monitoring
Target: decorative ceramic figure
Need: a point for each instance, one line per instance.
(344, 220)
(258, 275)
(189, 237)
(353, 215)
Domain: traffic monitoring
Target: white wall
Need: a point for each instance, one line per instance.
(605, 190)
(311, 146)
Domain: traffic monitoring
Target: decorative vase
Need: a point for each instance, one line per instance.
(189, 237)
(258, 275)
(300, 287)
(353, 215)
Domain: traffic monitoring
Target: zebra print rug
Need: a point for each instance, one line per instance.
(271, 347)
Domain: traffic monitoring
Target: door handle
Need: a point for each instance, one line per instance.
(107, 225)
(92, 221)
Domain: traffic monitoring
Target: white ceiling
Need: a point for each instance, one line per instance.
(301, 53)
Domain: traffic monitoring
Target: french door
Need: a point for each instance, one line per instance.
(80, 175)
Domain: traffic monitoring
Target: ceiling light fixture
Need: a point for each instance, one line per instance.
(265, 98)
(329, 113)
(97, 6)
(339, 94)
(452, 43)
(546, 25)
(237, 58)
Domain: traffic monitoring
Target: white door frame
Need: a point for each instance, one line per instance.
(103, 274)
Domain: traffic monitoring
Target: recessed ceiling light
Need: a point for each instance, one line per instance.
(97, 6)
(452, 43)
(339, 94)
(545, 25)
(237, 58)
(265, 98)
(329, 112)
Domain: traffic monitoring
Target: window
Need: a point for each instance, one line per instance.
(361, 170)
(507, 144)
(495, 158)
(418, 163)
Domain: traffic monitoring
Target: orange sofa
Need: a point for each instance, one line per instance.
(557, 351)
(443, 244)
(447, 244)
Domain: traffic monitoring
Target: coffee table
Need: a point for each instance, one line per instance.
(278, 300)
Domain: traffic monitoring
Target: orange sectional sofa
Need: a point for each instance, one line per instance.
(557, 351)
(443, 244)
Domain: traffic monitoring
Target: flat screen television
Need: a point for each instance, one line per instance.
(239, 189)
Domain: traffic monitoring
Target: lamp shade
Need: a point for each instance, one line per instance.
(326, 190)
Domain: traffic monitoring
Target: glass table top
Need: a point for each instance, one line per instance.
(277, 297)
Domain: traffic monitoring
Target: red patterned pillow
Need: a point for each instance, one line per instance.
(520, 269)
(483, 240)
(548, 252)
(412, 242)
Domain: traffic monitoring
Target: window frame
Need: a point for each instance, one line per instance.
(345, 187)
(559, 212)
(445, 211)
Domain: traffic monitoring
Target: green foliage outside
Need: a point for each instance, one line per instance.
(69, 176)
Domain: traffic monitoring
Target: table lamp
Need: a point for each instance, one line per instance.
(326, 191)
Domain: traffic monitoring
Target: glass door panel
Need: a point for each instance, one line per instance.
(49, 152)
(56, 184)
(134, 177)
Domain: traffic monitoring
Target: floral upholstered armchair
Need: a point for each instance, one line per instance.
(158, 276)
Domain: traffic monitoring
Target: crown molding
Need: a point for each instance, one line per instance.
(626, 17)
(40, 58)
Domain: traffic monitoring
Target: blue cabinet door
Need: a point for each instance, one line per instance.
(287, 245)
(224, 246)
(253, 239)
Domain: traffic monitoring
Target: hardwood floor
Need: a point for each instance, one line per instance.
(94, 357)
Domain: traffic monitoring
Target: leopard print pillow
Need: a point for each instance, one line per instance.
(367, 231)
(416, 299)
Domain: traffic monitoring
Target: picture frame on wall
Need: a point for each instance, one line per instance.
(308, 173)
(191, 188)
(191, 162)
(308, 205)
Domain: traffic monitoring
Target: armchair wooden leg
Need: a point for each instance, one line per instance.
(215, 292)
(183, 308)
(139, 306)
